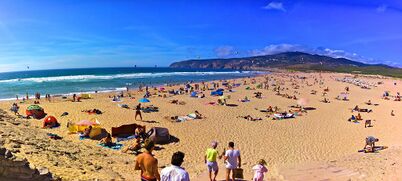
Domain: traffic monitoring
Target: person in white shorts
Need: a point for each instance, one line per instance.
(232, 159)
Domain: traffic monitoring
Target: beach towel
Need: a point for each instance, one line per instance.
(184, 118)
(280, 116)
(192, 115)
(119, 139)
(83, 137)
(194, 94)
(123, 106)
(114, 146)
(376, 149)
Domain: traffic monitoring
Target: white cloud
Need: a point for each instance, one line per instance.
(275, 6)
(276, 48)
(280, 48)
(382, 8)
(224, 51)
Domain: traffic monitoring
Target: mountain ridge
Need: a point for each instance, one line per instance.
(299, 61)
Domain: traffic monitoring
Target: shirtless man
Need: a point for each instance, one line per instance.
(147, 163)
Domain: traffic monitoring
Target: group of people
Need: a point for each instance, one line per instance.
(148, 164)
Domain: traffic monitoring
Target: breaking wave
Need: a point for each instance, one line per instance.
(116, 76)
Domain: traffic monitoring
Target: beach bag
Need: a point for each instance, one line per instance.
(238, 173)
(124, 130)
(159, 135)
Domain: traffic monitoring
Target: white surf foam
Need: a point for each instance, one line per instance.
(115, 76)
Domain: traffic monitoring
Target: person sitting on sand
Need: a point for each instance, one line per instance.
(356, 108)
(14, 108)
(175, 172)
(259, 170)
(270, 109)
(367, 123)
(147, 163)
(326, 100)
(135, 147)
(140, 132)
(258, 95)
(369, 102)
(86, 132)
(221, 102)
(359, 117)
(107, 141)
(392, 113)
(370, 141)
(210, 160)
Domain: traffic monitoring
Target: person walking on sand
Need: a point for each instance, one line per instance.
(232, 159)
(210, 160)
(147, 163)
(175, 172)
(259, 170)
(138, 111)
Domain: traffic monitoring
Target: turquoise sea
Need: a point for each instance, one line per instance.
(68, 81)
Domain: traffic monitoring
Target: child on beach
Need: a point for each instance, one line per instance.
(14, 108)
(259, 170)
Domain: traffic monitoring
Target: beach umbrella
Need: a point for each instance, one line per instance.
(302, 101)
(144, 100)
(34, 107)
(87, 123)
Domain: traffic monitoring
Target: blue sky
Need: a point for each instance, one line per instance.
(117, 33)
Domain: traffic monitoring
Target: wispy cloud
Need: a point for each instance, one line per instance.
(382, 8)
(224, 51)
(275, 6)
(276, 48)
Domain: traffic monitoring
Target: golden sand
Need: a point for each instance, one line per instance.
(320, 144)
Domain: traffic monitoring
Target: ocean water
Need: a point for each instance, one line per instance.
(68, 81)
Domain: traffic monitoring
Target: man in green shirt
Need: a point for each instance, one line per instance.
(210, 159)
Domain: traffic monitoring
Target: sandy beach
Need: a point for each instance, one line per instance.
(318, 145)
